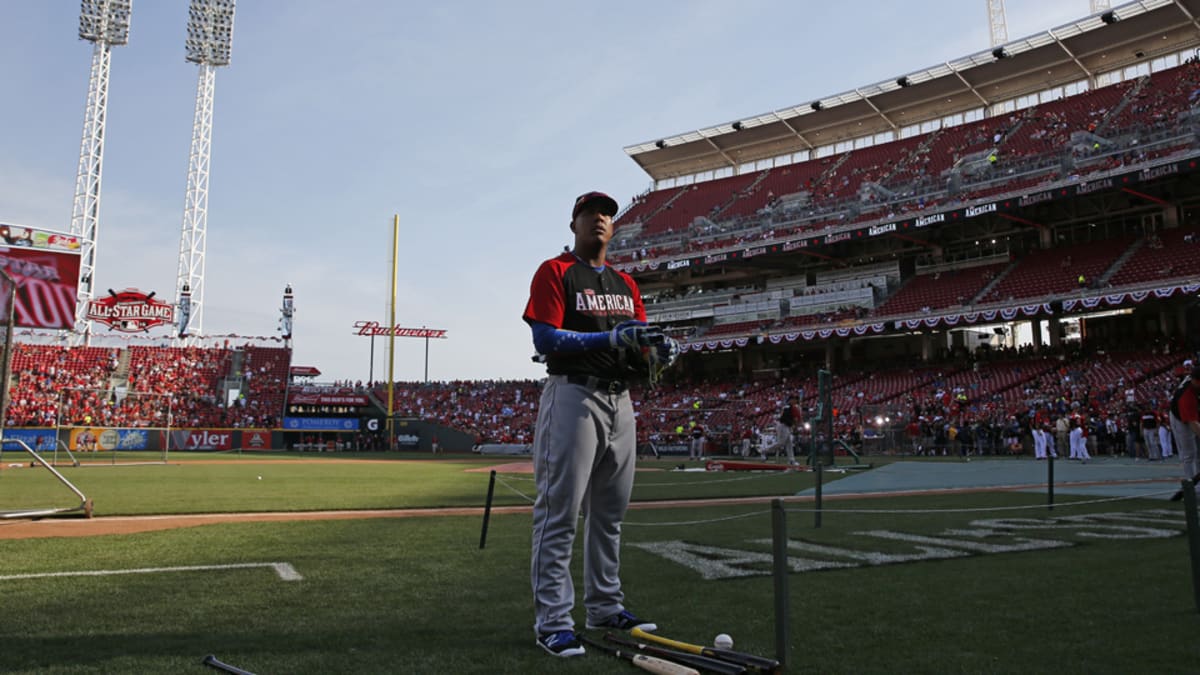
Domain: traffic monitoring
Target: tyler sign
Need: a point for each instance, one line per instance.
(130, 311)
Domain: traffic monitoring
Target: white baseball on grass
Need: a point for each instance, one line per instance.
(260, 477)
(723, 641)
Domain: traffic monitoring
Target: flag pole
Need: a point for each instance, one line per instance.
(392, 336)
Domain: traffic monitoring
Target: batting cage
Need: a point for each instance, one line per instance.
(11, 487)
(114, 427)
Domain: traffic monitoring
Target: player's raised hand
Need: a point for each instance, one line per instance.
(635, 335)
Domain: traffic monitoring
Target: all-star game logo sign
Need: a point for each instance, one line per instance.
(130, 311)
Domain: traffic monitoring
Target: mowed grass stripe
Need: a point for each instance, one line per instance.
(314, 485)
(418, 595)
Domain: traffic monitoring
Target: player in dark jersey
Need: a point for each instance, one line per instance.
(589, 323)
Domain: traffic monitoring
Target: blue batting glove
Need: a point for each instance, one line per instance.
(634, 335)
(664, 354)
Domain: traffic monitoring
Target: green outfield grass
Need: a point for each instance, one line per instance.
(305, 483)
(418, 595)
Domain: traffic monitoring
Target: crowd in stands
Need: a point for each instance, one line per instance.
(974, 403)
(1128, 261)
(45, 377)
(154, 387)
(265, 374)
(492, 411)
(1105, 128)
(986, 402)
(188, 374)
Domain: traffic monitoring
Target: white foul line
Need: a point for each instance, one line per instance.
(285, 571)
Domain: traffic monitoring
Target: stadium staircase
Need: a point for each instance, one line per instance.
(120, 374)
(666, 205)
(1011, 135)
(992, 284)
(902, 166)
(630, 204)
(829, 172)
(234, 377)
(1120, 262)
(748, 190)
(377, 400)
(1126, 101)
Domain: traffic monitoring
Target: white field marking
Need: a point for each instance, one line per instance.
(285, 571)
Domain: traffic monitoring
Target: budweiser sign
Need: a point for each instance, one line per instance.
(373, 328)
(130, 311)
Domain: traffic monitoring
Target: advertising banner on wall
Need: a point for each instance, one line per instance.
(256, 439)
(354, 400)
(202, 439)
(36, 439)
(47, 281)
(320, 424)
(31, 237)
(91, 439)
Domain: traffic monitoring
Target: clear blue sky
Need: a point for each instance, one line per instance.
(477, 122)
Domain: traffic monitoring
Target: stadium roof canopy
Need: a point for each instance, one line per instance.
(1080, 50)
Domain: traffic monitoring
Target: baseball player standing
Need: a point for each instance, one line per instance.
(785, 425)
(696, 447)
(1185, 425)
(589, 323)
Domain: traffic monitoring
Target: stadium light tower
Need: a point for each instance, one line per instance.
(104, 23)
(209, 43)
(997, 22)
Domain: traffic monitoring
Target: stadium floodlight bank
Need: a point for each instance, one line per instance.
(129, 418)
(105, 21)
(209, 45)
(210, 32)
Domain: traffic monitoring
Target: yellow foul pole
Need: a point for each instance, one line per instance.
(392, 335)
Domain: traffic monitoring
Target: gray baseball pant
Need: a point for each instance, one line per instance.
(1150, 438)
(783, 439)
(1185, 444)
(583, 460)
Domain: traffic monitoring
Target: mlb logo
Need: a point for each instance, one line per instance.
(589, 291)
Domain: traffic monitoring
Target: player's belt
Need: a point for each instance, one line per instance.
(599, 384)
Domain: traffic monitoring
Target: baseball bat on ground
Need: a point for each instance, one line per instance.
(701, 663)
(212, 662)
(759, 663)
(647, 663)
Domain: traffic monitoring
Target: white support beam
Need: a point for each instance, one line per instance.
(879, 112)
(797, 133)
(1191, 17)
(986, 103)
(732, 164)
(997, 22)
(1090, 75)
